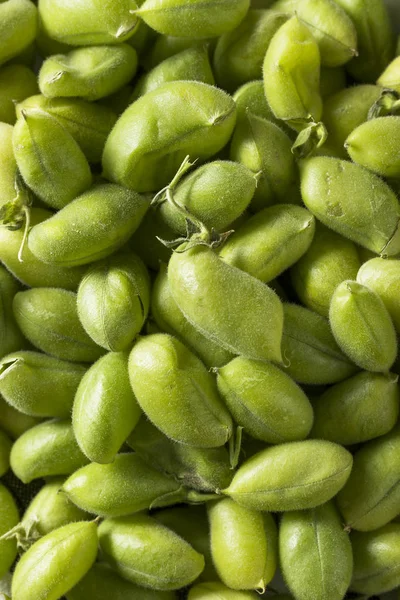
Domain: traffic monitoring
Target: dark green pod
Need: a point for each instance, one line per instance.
(9, 517)
(146, 243)
(5, 449)
(383, 277)
(17, 82)
(332, 81)
(11, 338)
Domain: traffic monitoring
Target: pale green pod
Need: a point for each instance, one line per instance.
(48, 318)
(250, 97)
(192, 64)
(376, 146)
(265, 401)
(217, 193)
(170, 319)
(203, 469)
(17, 82)
(371, 496)
(89, 73)
(390, 78)
(240, 547)
(8, 165)
(270, 242)
(47, 449)
(102, 583)
(105, 409)
(330, 259)
(113, 301)
(383, 277)
(193, 18)
(291, 73)
(123, 487)
(49, 159)
(87, 122)
(315, 554)
(362, 326)
(148, 144)
(239, 54)
(89, 22)
(292, 476)
(163, 372)
(11, 338)
(93, 226)
(368, 213)
(332, 81)
(310, 352)
(265, 149)
(18, 19)
(375, 38)
(376, 560)
(9, 517)
(5, 449)
(42, 573)
(13, 422)
(218, 591)
(39, 385)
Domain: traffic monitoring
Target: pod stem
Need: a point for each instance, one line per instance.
(235, 445)
(26, 533)
(194, 497)
(17, 211)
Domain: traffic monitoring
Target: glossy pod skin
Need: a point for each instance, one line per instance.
(311, 354)
(163, 372)
(47, 449)
(11, 338)
(383, 277)
(113, 301)
(18, 29)
(50, 160)
(371, 496)
(362, 326)
(5, 449)
(199, 122)
(315, 553)
(358, 409)
(48, 318)
(146, 553)
(318, 470)
(105, 409)
(198, 277)
(77, 235)
(9, 517)
(270, 241)
(40, 572)
(13, 422)
(39, 385)
(368, 213)
(17, 82)
(265, 401)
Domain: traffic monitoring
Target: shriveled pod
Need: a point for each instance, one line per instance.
(17, 82)
(18, 20)
(148, 143)
(5, 449)
(9, 518)
(11, 338)
(353, 202)
(13, 422)
(313, 550)
(383, 276)
(90, 73)
(49, 159)
(218, 591)
(163, 372)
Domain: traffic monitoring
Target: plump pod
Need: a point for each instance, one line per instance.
(291, 74)
(362, 326)
(315, 554)
(13, 422)
(241, 549)
(39, 385)
(371, 496)
(9, 517)
(218, 591)
(330, 259)
(47, 449)
(353, 202)
(164, 373)
(265, 401)
(89, 22)
(18, 19)
(148, 143)
(17, 82)
(113, 301)
(227, 296)
(48, 318)
(89, 73)
(390, 78)
(270, 241)
(383, 277)
(170, 319)
(358, 409)
(93, 226)
(292, 476)
(217, 193)
(5, 449)
(11, 338)
(147, 553)
(250, 97)
(105, 409)
(311, 354)
(50, 160)
(122, 487)
(41, 572)
(193, 18)
(8, 165)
